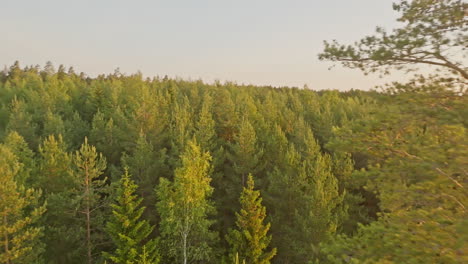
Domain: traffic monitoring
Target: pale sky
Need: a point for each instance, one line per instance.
(262, 42)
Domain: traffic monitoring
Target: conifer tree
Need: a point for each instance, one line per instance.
(285, 198)
(129, 233)
(53, 124)
(399, 196)
(54, 174)
(225, 115)
(181, 128)
(304, 193)
(16, 143)
(205, 126)
(49, 68)
(55, 178)
(61, 72)
(250, 239)
(151, 115)
(431, 34)
(89, 167)
(184, 206)
(20, 212)
(146, 167)
(77, 129)
(245, 154)
(20, 120)
(103, 136)
(15, 70)
(245, 157)
(99, 99)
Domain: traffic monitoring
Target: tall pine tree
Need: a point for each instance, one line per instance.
(146, 166)
(20, 211)
(89, 167)
(55, 178)
(250, 240)
(129, 233)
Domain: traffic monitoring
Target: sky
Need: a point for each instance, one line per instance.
(261, 42)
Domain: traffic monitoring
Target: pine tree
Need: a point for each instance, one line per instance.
(54, 166)
(181, 128)
(304, 193)
(184, 207)
(146, 167)
(327, 209)
(151, 115)
(129, 233)
(20, 212)
(103, 136)
(53, 124)
(225, 115)
(16, 143)
(285, 197)
(49, 68)
(250, 239)
(415, 158)
(89, 167)
(205, 127)
(15, 70)
(245, 153)
(244, 156)
(55, 178)
(20, 120)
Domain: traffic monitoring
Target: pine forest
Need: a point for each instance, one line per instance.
(123, 168)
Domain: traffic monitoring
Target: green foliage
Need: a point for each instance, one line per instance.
(419, 178)
(55, 178)
(432, 33)
(205, 127)
(355, 176)
(304, 192)
(77, 129)
(181, 127)
(21, 121)
(54, 174)
(184, 206)
(250, 239)
(411, 144)
(129, 233)
(245, 154)
(20, 211)
(89, 166)
(25, 156)
(53, 124)
(146, 166)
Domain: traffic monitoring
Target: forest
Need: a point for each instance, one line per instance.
(120, 168)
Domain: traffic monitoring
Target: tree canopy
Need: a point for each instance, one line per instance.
(119, 168)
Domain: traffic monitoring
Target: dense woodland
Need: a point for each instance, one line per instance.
(125, 169)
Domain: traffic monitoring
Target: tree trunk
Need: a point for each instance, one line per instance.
(185, 247)
(88, 232)
(88, 216)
